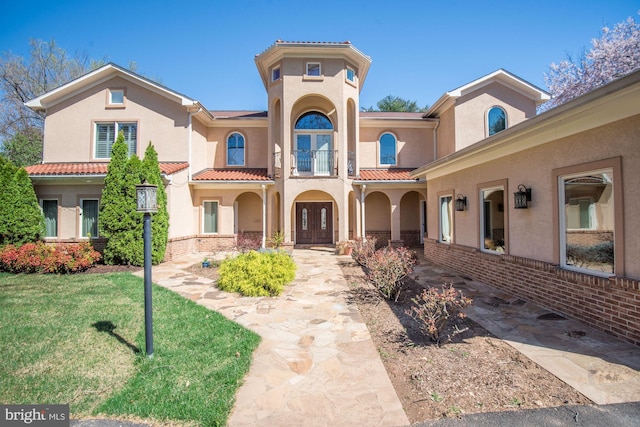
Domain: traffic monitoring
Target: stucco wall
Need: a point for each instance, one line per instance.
(70, 124)
(414, 146)
(531, 232)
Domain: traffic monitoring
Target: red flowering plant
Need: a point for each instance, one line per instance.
(42, 258)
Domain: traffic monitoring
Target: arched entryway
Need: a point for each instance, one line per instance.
(313, 213)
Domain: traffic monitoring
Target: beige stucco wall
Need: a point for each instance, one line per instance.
(70, 124)
(446, 133)
(414, 145)
(471, 112)
(531, 232)
(256, 149)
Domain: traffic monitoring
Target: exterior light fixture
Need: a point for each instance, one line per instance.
(146, 202)
(146, 198)
(521, 197)
(461, 203)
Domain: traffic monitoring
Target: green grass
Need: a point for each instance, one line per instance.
(79, 339)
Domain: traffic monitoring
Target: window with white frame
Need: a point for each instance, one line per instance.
(235, 150)
(587, 221)
(275, 74)
(496, 120)
(116, 97)
(387, 148)
(313, 69)
(106, 134)
(50, 213)
(89, 217)
(210, 217)
(492, 219)
(445, 222)
(351, 75)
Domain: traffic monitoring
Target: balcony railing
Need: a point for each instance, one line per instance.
(313, 163)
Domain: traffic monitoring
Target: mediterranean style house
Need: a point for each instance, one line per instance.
(536, 204)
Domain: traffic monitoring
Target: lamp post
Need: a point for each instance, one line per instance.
(147, 203)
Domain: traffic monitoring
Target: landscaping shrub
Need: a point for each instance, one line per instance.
(434, 310)
(247, 242)
(42, 258)
(263, 273)
(583, 256)
(386, 269)
(363, 250)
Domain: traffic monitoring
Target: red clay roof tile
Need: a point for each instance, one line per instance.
(56, 169)
(385, 175)
(232, 175)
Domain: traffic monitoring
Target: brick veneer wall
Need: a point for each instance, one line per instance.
(609, 304)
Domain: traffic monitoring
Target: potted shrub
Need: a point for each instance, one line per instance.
(206, 263)
(344, 247)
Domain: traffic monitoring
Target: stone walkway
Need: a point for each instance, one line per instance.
(317, 365)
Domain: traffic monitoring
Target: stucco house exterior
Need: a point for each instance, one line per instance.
(319, 170)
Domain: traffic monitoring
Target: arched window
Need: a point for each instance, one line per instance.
(313, 120)
(313, 151)
(235, 150)
(387, 149)
(497, 120)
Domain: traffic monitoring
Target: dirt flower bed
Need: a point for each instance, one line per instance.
(475, 372)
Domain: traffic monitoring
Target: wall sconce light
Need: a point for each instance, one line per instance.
(461, 203)
(521, 197)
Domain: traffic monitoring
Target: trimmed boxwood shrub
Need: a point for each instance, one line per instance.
(254, 273)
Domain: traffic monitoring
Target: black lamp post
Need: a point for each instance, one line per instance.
(147, 203)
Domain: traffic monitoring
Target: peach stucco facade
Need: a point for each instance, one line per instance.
(318, 170)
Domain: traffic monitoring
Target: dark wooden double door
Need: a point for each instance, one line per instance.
(314, 222)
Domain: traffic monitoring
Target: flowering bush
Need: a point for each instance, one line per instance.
(363, 250)
(246, 242)
(387, 268)
(42, 258)
(434, 310)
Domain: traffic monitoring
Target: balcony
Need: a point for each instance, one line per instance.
(320, 163)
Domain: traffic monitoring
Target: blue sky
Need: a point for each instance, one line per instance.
(420, 49)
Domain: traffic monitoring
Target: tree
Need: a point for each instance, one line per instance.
(47, 67)
(119, 222)
(21, 220)
(614, 54)
(160, 222)
(395, 103)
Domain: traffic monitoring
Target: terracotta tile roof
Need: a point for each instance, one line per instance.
(61, 169)
(385, 175)
(232, 175)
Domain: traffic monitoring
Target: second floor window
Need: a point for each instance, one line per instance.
(235, 150)
(497, 120)
(106, 134)
(387, 149)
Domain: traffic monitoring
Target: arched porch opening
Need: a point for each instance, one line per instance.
(378, 217)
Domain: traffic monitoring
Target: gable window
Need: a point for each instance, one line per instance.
(89, 217)
(351, 75)
(313, 69)
(115, 97)
(210, 217)
(492, 222)
(587, 221)
(275, 74)
(445, 223)
(50, 212)
(387, 149)
(497, 120)
(106, 134)
(235, 150)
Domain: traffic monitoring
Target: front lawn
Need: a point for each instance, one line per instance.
(79, 339)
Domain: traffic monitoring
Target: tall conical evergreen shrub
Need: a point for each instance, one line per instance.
(119, 222)
(160, 220)
(21, 219)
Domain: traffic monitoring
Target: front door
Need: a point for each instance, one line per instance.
(314, 222)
